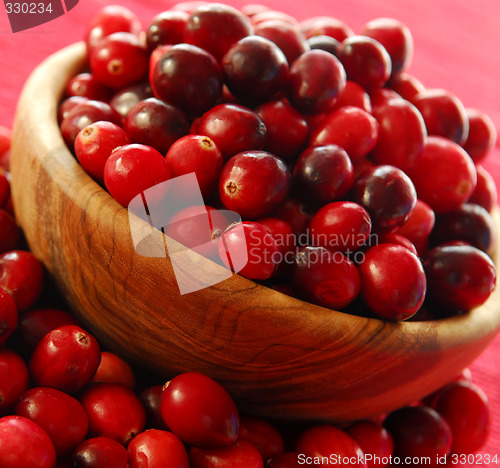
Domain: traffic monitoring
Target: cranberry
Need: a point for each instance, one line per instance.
(316, 80)
(36, 323)
(444, 175)
(128, 97)
(68, 104)
(157, 448)
(485, 193)
(5, 139)
(4, 186)
(242, 454)
(119, 60)
(109, 20)
(200, 411)
(215, 27)
(132, 169)
(233, 128)
(87, 85)
(419, 431)
(326, 25)
(114, 369)
(287, 130)
(285, 35)
(198, 154)
(354, 95)
(10, 234)
(395, 37)
(83, 114)
(365, 61)
(465, 408)
(297, 213)
(469, 223)
(254, 183)
(393, 282)
(250, 250)
(325, 278)
(155, 123)
(100, 452)
(166, 27)
(8, 315)
(374, 440)
(418, 226)
(459, 276)
(21, 275)
(25, 444)
(328, 441)
(95, 143)
(398, 239)
(255, 69)
(59, 414)
(285, 460)
(14, 379)
(401, 136)
(151, 399)
(444, 114)
(323, 174)
(114, 411)
(187, 77)
(382, 96)
(406, 85)
(350, 127)
(388, 195)
(66, 358)
(282, 232)
(262, 435)
(482, 135)
(326, 43)
(341, 226)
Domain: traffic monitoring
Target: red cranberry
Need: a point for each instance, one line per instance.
(388, 195)
(87, 85)
(166, 27)
(14, 379)
(326, 25)
(24, 443)
(215, 27)
(418, 226)
(10, 234)
(401, 136)
(406, 85)
(4, 186)
(349, 127)
(132, 169)
(316, 80)
(365, 61)
(21, 275)
(325, 278)
(67, 105)
(326, 43)
(444, 175)
(465, 408)
(482, 135)
(323, 174)
(395, 37)
(282, 232)
(250, 250)
(155, 123)
(297, 213)
(5, 140)
(95, 143)
(393, 282)
(59, 414)
(187, 77)
(420, 432)
(255, 69)
(157, 448)
(459, 277)
(262, 435)
(66, 358)
(254, 183)
(382, 96)
(114, 411)
(113, 369)
(341, 226)
(200, 411)
(444, 114)
(8, 315)
(354, 95)
(151, 399)
(485, 193)
(374, 440)
(198, 154)
(287, 130)
(285, 35)
(328, 441)
(100, 452)
(128, 97)
(241, 454)
(119, 60)
(398, 239)
(285, 460)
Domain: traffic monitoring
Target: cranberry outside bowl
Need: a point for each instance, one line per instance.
(278, 356)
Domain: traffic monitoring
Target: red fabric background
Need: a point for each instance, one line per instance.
(456, 48)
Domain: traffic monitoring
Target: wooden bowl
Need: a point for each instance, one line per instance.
(278, 356)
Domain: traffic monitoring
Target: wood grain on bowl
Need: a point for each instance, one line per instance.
(278, 356)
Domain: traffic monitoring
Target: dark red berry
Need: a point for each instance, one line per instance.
(325, 25)
(113, 369)
(241, 454)
(406, 85)
(354, 95)
(326, 43)
(482, 135)
(87, 85)
(262, 435)
(418, 226)
(151, 399)
(10, 234)
(14, 379)
(374, 440)
(485, 193)
(8, 316)
(128, 97)
(100, 452)
(166, 27)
